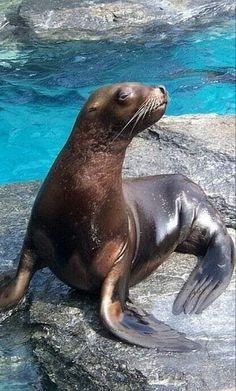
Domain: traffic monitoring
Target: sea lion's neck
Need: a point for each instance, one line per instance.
(97, 137)
(95, 171)
(97, 159)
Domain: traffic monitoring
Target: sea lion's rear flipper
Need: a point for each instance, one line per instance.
(134, 325)
(209, 278)
(13, 289)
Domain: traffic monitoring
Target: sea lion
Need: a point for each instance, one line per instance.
(99, 233)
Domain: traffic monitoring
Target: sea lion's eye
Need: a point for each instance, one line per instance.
(123, 94)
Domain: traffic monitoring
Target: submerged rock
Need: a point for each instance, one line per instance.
(74, 349)
(107, 19)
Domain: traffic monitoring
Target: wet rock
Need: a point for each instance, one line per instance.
(92, 19)
(74, 349)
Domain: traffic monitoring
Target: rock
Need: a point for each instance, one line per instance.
(199, 146)
(78, 354)
(74, 349)
(92, 19)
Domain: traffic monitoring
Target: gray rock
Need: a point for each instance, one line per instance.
(199, 146)
(78, 354)
(75, 351)
(92, 19)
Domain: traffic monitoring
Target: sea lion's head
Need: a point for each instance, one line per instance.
(125, 109)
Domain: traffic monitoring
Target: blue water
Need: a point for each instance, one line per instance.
(43, 87)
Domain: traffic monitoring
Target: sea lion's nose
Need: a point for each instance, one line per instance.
(163, 89)
(160, 88)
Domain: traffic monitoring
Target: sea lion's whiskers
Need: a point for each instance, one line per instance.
(137, 120)
(153, 105)
(134, 116)
(158, 103)
(148, 106)
(142, 107)
(145, 111)
(142, 114)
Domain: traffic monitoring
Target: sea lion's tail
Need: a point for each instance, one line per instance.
(209, 278)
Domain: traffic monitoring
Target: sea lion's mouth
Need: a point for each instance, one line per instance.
(153, 104)
(159, 105)
(156, 100)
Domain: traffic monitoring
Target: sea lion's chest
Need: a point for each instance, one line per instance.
(80, 254)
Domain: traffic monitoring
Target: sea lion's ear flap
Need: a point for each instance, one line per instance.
(132, 324)
(92, 108)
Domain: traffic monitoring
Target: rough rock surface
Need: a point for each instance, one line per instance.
(199, 146)
(75, 350)
(93, 19)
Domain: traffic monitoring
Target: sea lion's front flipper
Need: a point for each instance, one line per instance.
(134, 325)
(209, 278)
